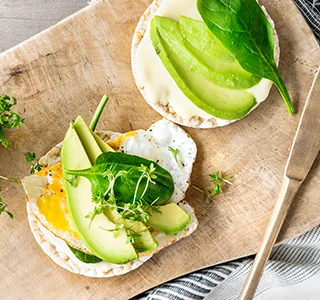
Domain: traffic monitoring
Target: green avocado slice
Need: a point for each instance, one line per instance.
(190, 40)
(169, 219)
(88, 141)
(96, 235)
(145, 242)
(102, 144)
(220, 102)
(210, 52)
(198, 35)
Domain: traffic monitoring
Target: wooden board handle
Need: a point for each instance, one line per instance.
(288, 191)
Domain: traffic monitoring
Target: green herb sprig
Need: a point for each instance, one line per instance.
(139, 209)
(32, 159)
(218, 181)
(3, 206)
(148, 173)
(175, 153)
(8, 118)
(107, 198)
(132, 235)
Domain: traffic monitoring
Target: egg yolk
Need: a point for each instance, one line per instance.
(52, 203)
(115, 144)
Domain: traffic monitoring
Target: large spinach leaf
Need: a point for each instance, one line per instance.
(244, 30)
(124, 171)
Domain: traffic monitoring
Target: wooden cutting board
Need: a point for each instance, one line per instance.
(64, 71)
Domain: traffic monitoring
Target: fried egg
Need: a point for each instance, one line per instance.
(48, 213)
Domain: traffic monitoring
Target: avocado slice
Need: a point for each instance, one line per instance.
(225, 74)
(209, 50)
(88, 141)
(198, 35)
(96, 235)
(145, 242)
(92, 143)
(171, 220)
(220, 102)
(102, 144)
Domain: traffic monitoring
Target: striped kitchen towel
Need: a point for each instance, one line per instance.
(292, 273)
(293, 270)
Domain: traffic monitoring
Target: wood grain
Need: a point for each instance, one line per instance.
(63, 72)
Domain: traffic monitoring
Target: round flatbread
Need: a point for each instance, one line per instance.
(161, 105)
(54, 242)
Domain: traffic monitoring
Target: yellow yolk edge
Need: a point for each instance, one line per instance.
(52, 203)
(116, 143)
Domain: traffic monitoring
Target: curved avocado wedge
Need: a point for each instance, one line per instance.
(143, 243)
(170, 219)
(220, 102)
(97, 235)
(87, 140)
(209, 50)
(102, 144)
(191, 52)
(201, 38)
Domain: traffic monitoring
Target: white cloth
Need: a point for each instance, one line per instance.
(292, 273)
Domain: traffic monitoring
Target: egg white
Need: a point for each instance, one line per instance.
(151, 144)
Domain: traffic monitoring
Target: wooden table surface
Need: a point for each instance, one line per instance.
(22, 19)
(63, 72)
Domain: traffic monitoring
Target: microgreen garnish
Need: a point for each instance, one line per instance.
(32, 159)
(148, 173)
(3, 206)
(8, 118)
(134, 211)
(175, 153)
(106, 199)
(13, 180)
(217, 180)
(139, 209)
(130, 184)
(132, 235)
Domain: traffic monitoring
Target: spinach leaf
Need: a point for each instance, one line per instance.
(244, 30)
(128, 183)
(84, 257)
